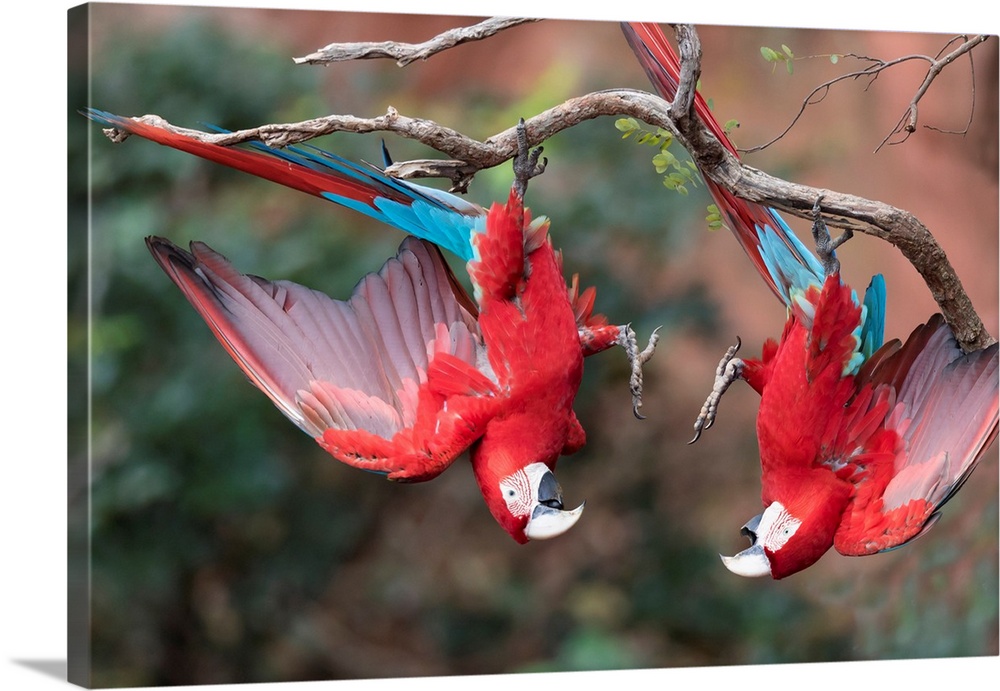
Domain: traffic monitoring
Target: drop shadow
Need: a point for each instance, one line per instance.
(50, 668)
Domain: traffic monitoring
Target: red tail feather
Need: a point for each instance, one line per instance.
(270, 168)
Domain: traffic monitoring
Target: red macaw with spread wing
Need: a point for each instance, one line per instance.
(411, 372)
(860, 443)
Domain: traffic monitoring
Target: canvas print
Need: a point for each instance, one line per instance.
(408, 346)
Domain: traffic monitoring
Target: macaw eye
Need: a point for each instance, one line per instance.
(516, 492)
(783, 530)
(776, 526)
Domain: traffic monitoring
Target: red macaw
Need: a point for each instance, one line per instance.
(410, 372)
(860, 445)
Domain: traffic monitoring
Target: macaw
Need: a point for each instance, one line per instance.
(411, 372)
(860, 443)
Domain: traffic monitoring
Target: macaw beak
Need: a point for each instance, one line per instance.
(751, 562)
(548, 519)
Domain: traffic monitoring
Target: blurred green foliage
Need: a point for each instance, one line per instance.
(226, 546)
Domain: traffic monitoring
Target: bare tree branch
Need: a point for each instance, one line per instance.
(891, 224)
(405, 53)
(469, 155)
(908, 121)
(689, 46)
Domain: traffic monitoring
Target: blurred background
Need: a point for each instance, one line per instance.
(226, 546)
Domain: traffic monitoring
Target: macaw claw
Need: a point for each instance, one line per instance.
(729, 370)
(637, 358)
(825, 245)
(526, 164)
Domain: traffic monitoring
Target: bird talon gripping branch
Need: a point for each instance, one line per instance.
(526, 163)
(825, 245)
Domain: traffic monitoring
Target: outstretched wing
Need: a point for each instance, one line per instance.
(941, 415)
(371, 378)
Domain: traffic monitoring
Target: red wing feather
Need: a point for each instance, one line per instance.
(943, 418)
(359, 366)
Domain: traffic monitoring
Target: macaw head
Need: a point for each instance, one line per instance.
(526, 502)
(513, 463)
(789, 536)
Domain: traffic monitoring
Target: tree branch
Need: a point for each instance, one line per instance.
(893, 225)
(405, 53)
(469, 156)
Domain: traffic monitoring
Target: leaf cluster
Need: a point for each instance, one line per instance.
(786, 56)
(677, 174)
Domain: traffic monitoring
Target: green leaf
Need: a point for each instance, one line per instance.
(627, 124)
(714, 218)
(788, 66)
(664, 160)
(788, 51)
(834, 58)
(769, 54)
(730, 126)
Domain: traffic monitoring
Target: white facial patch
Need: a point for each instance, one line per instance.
(516, 491)
(520, 488)
(776, 526)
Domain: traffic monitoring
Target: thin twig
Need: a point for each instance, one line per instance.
(908, 121)
(405, 53)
